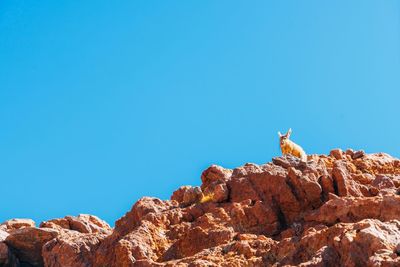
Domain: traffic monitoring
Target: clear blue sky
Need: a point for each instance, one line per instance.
(102, 102)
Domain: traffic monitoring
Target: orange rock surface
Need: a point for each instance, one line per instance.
(336, 210)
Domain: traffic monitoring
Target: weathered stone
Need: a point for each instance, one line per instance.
(336, 153)
(7, 258)
(3, 235)
(3, 253)
(220, 193)
(215, 174)
(27, 243)
(358, 154)
(187, 195)
(14, 224)
(336, 210)
(83, 223)
(71, 248)
(61, 223)
(140, 209)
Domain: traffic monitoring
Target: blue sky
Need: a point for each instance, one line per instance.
(102, 102)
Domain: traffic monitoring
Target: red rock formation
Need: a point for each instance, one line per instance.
(16, 224)
(336, 210)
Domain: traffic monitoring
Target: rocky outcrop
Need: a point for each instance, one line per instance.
(341, 209)
(27, 243)
(69, 241)
(83, 223)
(14, 224)
(71, 248)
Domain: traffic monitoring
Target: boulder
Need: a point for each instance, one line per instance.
(71, 248)
(27, 243)
(14, 224)
(187, 195)
(83, 223)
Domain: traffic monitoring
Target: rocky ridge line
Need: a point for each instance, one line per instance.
(337, 210)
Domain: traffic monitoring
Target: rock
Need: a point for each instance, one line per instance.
(3, 235)
(197, 239)
(3, 253)
(245, 170)
(362, 178)
(27, 243)
(71, 248)
(350, 244)
(358, 154)
(215, 174)
(83, 223)
(141, 208)
(305, 188)
(14, 224)
(378, 163)
(327, 187)
(187, 195)
(384, 184)
(336, 153)
(7, 258)
(287, 161)
(220, 193)
(349, 152)
(61, 223)
(341, 209)
(343, 183)
(241, 189)
(352, 209)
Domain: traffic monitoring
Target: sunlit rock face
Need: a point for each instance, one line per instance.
(341, 209)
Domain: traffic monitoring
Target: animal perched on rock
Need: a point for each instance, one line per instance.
(289, 147)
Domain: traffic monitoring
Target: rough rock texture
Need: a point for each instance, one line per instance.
(83, 223)
(3, 235)
(14, 224)
(336, 210)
